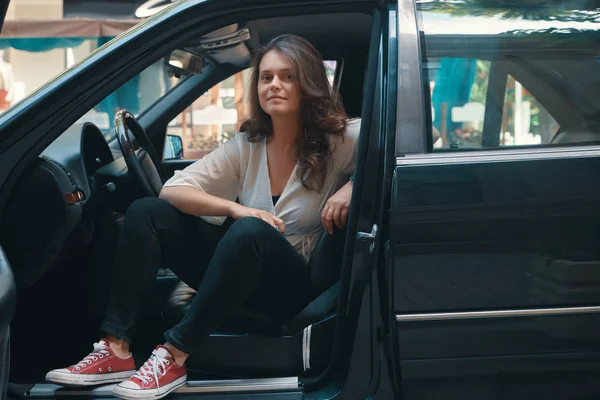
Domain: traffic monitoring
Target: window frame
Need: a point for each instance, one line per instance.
(411, 127)
(495, 96)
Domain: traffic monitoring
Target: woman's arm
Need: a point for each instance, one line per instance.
(208, 187)
(190, 200)
(193, 201)
(337, 208)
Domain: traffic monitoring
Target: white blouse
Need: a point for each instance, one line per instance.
(238, 169)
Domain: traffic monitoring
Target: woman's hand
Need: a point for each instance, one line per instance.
(238, 211)
(336, 209)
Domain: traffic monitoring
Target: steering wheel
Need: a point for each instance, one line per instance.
(143, 163)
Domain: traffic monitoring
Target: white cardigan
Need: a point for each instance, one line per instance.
(238, 169)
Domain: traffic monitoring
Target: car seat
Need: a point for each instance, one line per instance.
(252, 344)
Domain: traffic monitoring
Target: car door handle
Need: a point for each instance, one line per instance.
(369, 237)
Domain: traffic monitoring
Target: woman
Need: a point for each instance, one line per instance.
(285, 167)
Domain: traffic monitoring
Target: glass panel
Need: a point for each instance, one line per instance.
(212, 118)
(26, 64)
(135, 96)
(331, 67)
(458, 94)
(524, 120)
(544, 58)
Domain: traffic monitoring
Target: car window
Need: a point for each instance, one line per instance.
(137, 95)
(214, 117)
(459, 92)
(525, 121)
(504, 77)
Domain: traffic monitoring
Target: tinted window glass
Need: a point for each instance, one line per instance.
(135, 96)
(501, 75)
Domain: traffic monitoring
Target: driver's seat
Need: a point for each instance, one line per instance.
(254, 345)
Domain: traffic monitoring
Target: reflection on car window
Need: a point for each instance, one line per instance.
(508, 76)
(460, 115)
(135, 96)
(216, 116)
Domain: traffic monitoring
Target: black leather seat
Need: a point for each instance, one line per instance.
(255, 345)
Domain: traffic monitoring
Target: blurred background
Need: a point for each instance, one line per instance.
(43, 38)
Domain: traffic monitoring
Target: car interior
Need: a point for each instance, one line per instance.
(62, 223)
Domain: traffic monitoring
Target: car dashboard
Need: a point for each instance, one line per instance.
(50, 214)
(79, 153)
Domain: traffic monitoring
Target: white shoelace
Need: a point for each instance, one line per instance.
(155, 366)
(99, 352)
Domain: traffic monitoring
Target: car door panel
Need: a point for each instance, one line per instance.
(496, 262)
(489, 336)
(495, 235)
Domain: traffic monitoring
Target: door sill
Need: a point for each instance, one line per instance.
(47, 390)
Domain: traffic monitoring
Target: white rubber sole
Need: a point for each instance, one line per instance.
(136, 394)
(66, 378)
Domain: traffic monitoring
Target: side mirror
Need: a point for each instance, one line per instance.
(173, 148)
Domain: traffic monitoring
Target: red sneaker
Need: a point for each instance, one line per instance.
(99, 367)
(158, 377)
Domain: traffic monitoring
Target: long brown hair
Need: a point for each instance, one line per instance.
(321, 109)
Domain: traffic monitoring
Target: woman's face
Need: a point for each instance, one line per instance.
(278, 91)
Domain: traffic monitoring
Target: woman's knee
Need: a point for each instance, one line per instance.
(251, 227)
(248, 231)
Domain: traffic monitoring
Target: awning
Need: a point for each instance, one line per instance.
(65, 28)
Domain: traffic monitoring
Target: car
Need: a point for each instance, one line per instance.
(469, 264)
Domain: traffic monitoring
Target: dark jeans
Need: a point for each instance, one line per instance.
(248, 263)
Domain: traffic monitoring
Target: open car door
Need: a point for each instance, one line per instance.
(7, 287)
